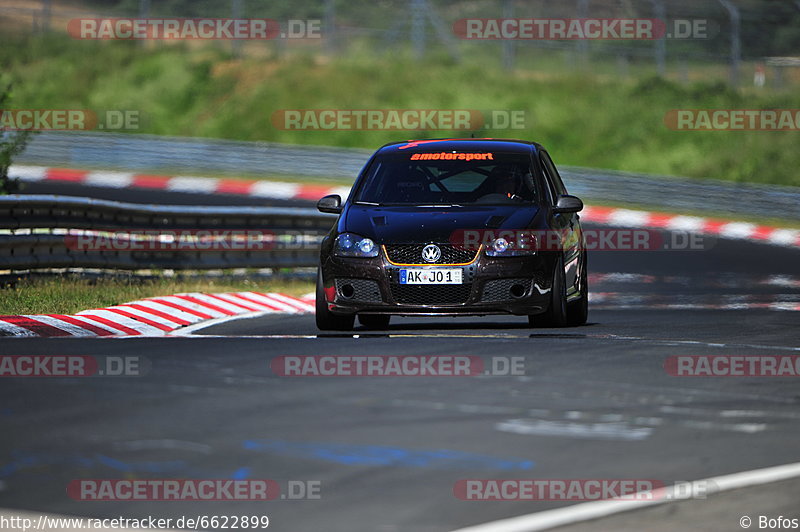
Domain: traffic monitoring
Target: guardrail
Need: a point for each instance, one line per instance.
(68, 232)
(149, 153)
(176, 155)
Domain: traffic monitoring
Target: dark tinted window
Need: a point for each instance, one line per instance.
(557, 187)
(446, 178)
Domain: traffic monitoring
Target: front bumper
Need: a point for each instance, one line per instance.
(513, 285)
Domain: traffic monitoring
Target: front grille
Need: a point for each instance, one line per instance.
(363, 290)
(431, 294)
(500, 289)
(412, 254)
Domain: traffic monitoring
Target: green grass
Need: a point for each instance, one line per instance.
(68, 295)
(585, 120)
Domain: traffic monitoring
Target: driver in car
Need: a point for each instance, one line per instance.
(504, 182)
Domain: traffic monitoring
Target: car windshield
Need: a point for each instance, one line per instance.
(449, 178)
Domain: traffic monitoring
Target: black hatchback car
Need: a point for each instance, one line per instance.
(454, 227)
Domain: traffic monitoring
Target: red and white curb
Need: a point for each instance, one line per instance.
(676, 222)
(155, 316)
(192, 184)
(298, 191)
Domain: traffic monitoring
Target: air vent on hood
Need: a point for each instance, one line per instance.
(379, 220)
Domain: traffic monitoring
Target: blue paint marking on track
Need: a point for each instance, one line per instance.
(241, 474)
(374, 455)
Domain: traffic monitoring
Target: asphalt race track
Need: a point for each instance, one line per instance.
(594, 402)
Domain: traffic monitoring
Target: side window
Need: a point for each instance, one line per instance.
(552, 192)
(553, 173)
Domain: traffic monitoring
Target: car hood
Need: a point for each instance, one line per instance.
(432, 224)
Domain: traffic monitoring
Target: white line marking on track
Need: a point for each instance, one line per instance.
(578, 513)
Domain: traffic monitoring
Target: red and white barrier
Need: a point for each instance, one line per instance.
(200, 185)
(298, 191)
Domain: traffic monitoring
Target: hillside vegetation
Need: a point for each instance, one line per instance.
(595, 121)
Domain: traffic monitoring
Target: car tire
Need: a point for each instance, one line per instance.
(578, 311)
(556, 313)
(326, 320)
(374, 321)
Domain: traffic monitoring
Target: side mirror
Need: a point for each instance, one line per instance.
(331, 204)
(567, 203)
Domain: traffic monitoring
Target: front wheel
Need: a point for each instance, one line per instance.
(578, 311)
(327, 320)
(556, 314)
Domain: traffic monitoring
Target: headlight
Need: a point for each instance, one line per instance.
(350, 245)
(501, 247)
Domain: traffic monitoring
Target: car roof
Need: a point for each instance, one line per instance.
(471, 144)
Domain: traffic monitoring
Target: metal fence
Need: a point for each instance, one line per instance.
(736, 30)
(67, 232)
(145, 153)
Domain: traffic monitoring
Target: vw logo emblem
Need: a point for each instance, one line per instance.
(431, 253)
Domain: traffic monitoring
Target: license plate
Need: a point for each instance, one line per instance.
(425, 276)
